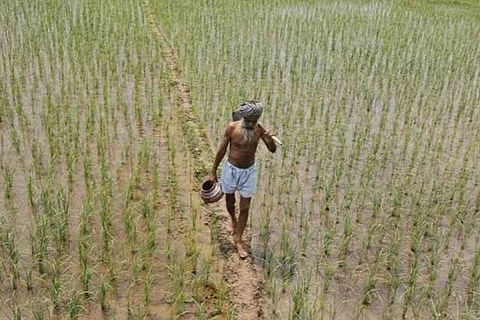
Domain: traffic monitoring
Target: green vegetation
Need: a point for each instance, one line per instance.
(377, 183)
(90, 152)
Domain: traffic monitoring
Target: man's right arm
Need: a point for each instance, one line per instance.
(222, 149)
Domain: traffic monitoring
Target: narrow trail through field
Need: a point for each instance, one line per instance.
(244, 278)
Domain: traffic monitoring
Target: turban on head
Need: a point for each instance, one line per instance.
(248, 109)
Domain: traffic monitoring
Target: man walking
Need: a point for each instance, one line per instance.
(240, 171)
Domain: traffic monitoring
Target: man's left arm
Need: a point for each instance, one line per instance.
(268, 140)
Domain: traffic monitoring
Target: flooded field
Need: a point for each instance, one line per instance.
(110, 112)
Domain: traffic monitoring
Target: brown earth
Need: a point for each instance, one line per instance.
(244, 279)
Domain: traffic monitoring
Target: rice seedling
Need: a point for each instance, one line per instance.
(106, 220)
(29, 279)
(74, 305)
(275, 292)
(231, 312)
(156, 184)
(393, 265)
(222, 295)
(349, 229)
(434, 264)
(38, 313)
(62, 219)
(327, 280)
(130, 226)
(104, 290)
(56, 286)
(7, 175)
(200, 313)
(265, 235)
(17, 314)
(287, 258)
(177, 275)
(408, 295)
(11, 256)
(370, 285)
(299, 304)
(444, 298)
(31, 195)
(473, 290)
(192, 251)
(87, 167)
(148, 284)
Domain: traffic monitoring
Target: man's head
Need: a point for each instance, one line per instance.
(249, 112)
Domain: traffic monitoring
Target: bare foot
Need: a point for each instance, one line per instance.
(241, 250)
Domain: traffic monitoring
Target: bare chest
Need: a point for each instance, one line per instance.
(241, 141)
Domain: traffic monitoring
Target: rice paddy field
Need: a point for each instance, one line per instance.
(369, 209)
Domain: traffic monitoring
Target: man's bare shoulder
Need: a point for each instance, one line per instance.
(231, 126)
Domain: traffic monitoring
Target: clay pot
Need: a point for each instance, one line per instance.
(211, 191)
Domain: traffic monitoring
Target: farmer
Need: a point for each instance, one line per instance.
(240, 171)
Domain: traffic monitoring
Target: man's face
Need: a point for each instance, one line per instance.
(250, 122)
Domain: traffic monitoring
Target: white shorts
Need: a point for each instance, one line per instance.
(243, 180)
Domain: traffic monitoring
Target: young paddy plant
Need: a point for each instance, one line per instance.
(192, 251)
(62, 218)
(85, 245)
(176, 273)
(348, 232)
(130, 227)
(265, 233)
(411, 285)
(286, 259)
(156, 183)
(57, 285)
(74, 305)
(370, 285)
(152, 239)
(12, 257)
(31, 199)
(434, 263)
(106, 217)
(29, 279)
(15, 310)
(327, 241)
(104, 290)
(473, 293)
(440, 307)
(275, 289)
(305, 231)
(299, 306)
(393, 265)
(8, 176)
(148, 284)
(70, 158)
(328, 271)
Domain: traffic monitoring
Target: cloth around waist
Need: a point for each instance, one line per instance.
(252, 167)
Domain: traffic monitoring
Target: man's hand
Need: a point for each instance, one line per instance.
(267, 137)
(213, 177)
(268, 134)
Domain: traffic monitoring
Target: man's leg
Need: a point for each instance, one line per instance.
(241, 224)
(230, 200)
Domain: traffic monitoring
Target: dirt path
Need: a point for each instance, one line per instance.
(244, 279)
